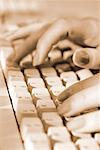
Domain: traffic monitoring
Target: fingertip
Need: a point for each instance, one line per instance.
(35, 60)
(92, 42)
(38, 59)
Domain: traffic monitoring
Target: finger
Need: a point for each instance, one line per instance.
(87, 58)
(27, 46)
(26, 31)
(84, 29)
(51, 36)
(93, 42)
(77, 87)
(66, 44)
(4, 42)
(86, 123)
(80, 101)
(9, 33)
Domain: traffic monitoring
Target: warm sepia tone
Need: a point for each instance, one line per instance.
(49, 74)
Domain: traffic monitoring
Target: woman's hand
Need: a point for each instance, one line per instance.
(82, 31)
(24, 41)
(44, 35)
(78, 99)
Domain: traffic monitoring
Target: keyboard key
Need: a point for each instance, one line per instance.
(10, 68)
(39, 93)
(55, 55)
(15, 84)
(55, 91)
(84, 74)
(11, 79)
(68, 84)
(53, 81)
(21, 93)
(51, 119)
(37, 141)
(58, 134)
(31, 73)
(48, 72)
(25, 110)
(13, 68)
(35, 83)
(65, 146)
(45, 106)
(16, 104)
(17, 90)
(30, 125)
(15, 74)
(87, 143)
(69, 76)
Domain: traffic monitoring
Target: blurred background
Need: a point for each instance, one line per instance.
(21, 10)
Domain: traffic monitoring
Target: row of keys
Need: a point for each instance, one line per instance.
(46, 107)
(21, 98)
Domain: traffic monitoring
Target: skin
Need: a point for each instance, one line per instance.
(83, 32)
(52, 33)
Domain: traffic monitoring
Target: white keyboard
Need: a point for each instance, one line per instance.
(28, 104)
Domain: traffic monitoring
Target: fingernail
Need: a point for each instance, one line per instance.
(76, 123)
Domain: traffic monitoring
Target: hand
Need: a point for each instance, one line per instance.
(83, 32)
(44, 37)
(25, 39)
(25, 31)
(77, 99)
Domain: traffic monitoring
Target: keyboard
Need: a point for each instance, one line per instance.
(28, 104)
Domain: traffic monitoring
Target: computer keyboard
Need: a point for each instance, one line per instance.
(28, 104)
